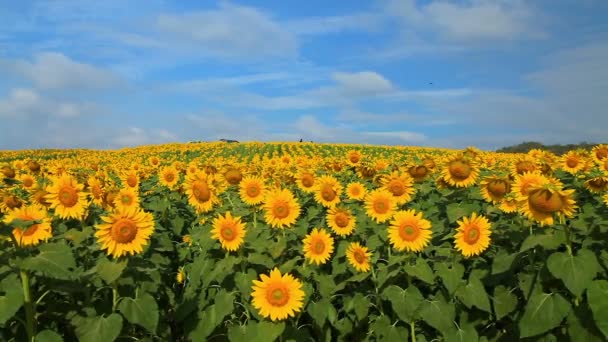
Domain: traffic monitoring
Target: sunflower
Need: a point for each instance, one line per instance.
(572, 162)
(125, 231)
(380, 205)
(192, 168)
(229, 230)
(281, 208)
(201, 194)
(523, 182)
(38, 197)
(409, 231)
(252, 190)
(233, 176)
(460, 171)
(168, 176)
(96, 190)
(66, 197)
(400, 185)
(32, 235)
(524, 164)
(605, 198)
(187, 239)
(277, 296)
(472, 235)
(597, 184)
(600, 153)
(341, 221)
(353, 157)
(318, 246)
(130, 179)
(356, 191)
(418, 172)
(509, 203)
(126, 197)
(27, 181)
(358, 257)
(494, 188)
(544, 201)
(154, 161)
(327, 191)
(180, 277)
(305, 181)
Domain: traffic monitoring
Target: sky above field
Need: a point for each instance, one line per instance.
(488, 73)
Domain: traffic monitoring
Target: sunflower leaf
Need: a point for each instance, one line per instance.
(597, 296)
(48, 336)
(543, 312)
(421, 270)
(12, 300)
(576, 272)
(98, 328)
(55, 260)
(504, 301)
(439, 314)
(142, 311)
(405, 303)
(451, 275)
(474, 294)
(110, 270)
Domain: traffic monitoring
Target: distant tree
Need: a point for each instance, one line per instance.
(526, 146)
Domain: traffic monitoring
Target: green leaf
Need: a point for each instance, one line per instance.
(385, 331)
(548, 241)
(213, 315)
(321, 311)
(463, 333)
(421, 270)
(455, 212)
(543, 312)
(405, 303)
(260, 259)
(12, 300)
(142, 311)
(575, 271)
(267, 331)
(504, 302)
(48, 336)
(581, 325)
(55, 260)
(110, 270)
(439, 314)
(177, 224)
(474, 294)
(451, 275)
(98, 328)
(244, 282)
(597, 297)
(361, 306)
(503, 261)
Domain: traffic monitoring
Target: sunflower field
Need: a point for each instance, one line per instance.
(303, 242)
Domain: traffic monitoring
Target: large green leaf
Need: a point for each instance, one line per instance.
(451, 275)
(110, 270)
(55, 260)
(98, 328)
(244, 281)
(142, 311)
(360, 304)
(474, 294)
(502, 261)
(256, 332)
(384, 330)
(321, 311)
(213, 315)
(504, 301)
(548, 241)
(48, 336)
(421, 270)
(405, 303)
(439, 314)
(543, 312)
(597, 296)
(12, 299)
(463, 333)
(575, 271)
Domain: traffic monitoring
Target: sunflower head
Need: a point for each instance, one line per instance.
(125, 231)
(229, 230)
(600, 153)
(341, 221)
(399, 185)
(356, 191)
(169, 177)
(318, 246)
(277, 296)
(67, 197)
(495, 188)
(472, 235)
(327, 191)
(409, 231)
(546, 200)
(281, 208)
(252, 190)
(460, 171)
(380, 205)
(39, 230)
(358, 257)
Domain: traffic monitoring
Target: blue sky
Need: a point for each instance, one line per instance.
(487, 73)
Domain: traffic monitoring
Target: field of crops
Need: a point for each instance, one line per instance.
(303, 242)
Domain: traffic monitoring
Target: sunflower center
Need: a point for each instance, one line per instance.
(459, 169)
(318, 246)
(544, 201)
(228, 233)
(498, 188)
(280, 210)
(132, 181)
(342, 220)
(418, 171)
(471, 235)
(308, 180)
(601, 153)
(27, 182)
(124, 230)
(96, 191)
(354, 158)
(169, 177)
(396, 187)
(201, 192)
(380, 206)
(253, 190)
(525, 166)
(571, 162)
(598, 183)
(327, 193)
(12, 202)
(409, 232)
(355, 191)
(233, 176)
(68, 196)
(126, 199)
(359, 256)
(279, 296)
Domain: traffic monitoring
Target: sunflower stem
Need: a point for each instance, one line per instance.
(30, 312)
(568, 241)
(114, 297)
(413, 331)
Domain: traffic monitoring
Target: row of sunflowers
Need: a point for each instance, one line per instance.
(210, 241)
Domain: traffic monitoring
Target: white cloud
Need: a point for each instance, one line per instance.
(335, 24)
(361, 83)
(135, 136)
(229, 31)
(405, 136)
(28, 103)
(53, 70)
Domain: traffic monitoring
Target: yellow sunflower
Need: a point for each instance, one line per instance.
(229, 230)
(154, 161)
(252, 190)
(597, 184)
(494, 188)
(125, 231)
(130, 179)
(201, 194)
(605, 198)
(281, 208)
(544, 201)
(32, 235)
(523, 182)
(27, 181)
(341, 221)
(356, 191)
(168, 176)
(96, 190)
(460, 171)
(126, 197)
(318, 246)
(418, 172)
(472, 235)
(327, 191)
(524, 164)
(277, 296)
(380, 205)
(400, 185)
(572, 162)
(305, 180)
(233, 176)
(66, 196)
(180, 277)
(509, 203)
(409, 231)
(358, 257)
(600, 153)
(353, 157)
